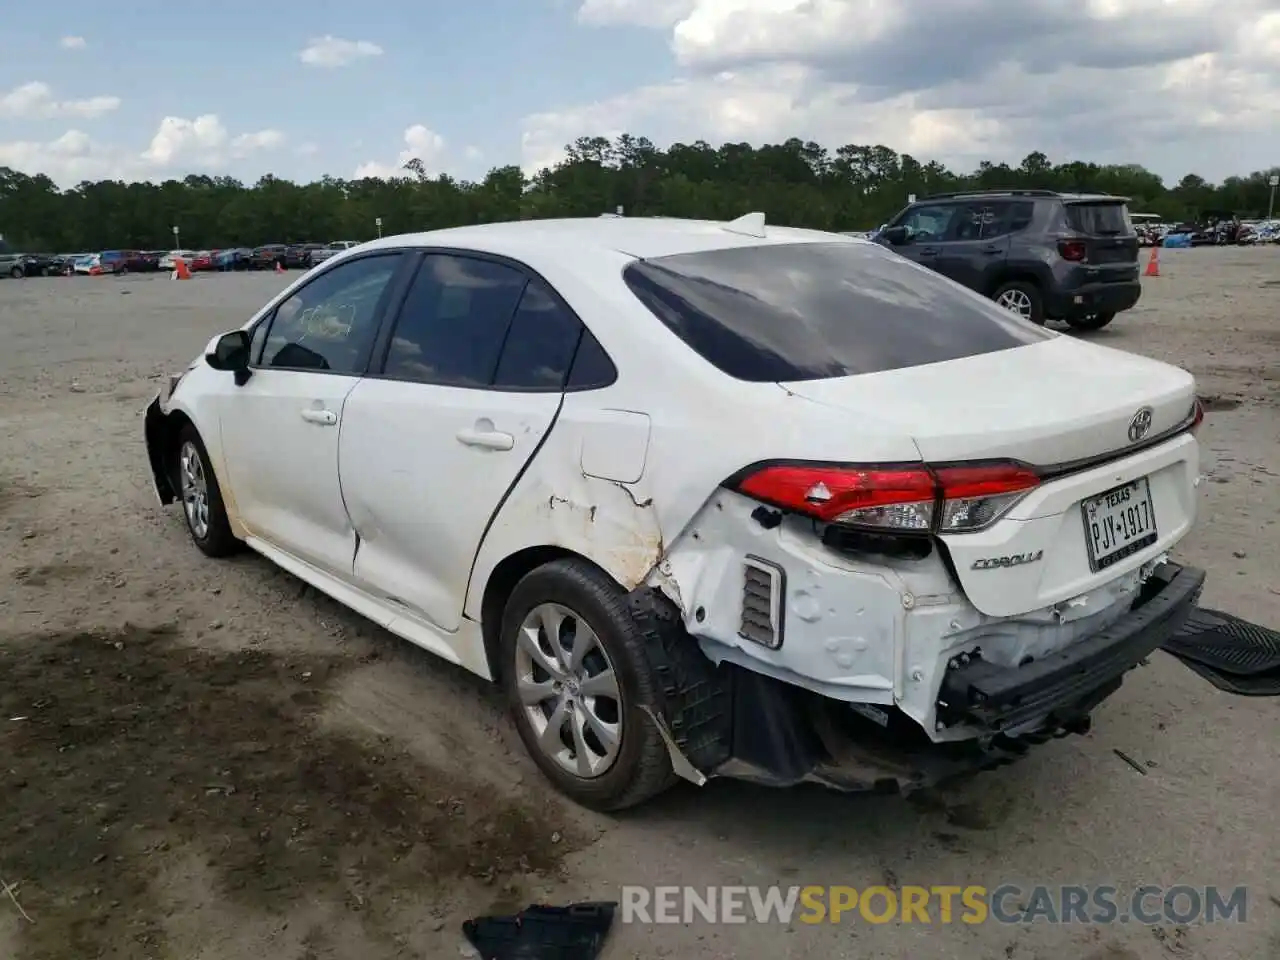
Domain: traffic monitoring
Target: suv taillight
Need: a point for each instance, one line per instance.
(1074, 250)
(917, 498)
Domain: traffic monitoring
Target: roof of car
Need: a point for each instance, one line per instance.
(640, 237)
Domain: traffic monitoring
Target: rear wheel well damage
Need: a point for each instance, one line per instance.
(694, 705)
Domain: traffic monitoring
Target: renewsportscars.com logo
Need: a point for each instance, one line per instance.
(941, 904)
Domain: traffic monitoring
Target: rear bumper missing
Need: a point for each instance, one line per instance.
(1059, 688)
(780, 735)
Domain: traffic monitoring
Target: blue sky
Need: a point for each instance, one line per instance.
(99, 90)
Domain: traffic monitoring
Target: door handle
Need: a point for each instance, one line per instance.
(992, 249)
(930, 251)
(326, 418)
(489, 439)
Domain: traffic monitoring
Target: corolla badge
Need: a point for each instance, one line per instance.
(1140, 425)
(1012, 560)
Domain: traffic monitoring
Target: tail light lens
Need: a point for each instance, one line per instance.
(915, 498)
(1197, 415)
(1074, 250)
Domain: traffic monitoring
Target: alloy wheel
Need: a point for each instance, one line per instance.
(195, 490)
(1016, 301)
(569, 691)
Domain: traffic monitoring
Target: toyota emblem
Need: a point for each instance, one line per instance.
(1140, 425)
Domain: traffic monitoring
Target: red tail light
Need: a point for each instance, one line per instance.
(1197, 415)
(1074, 250)
(915, 498)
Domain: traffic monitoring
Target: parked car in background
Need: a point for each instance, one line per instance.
(17, 265)
(90, 265)
(330, 249)
(203, 260)
(236, 258)
(170, 260)
(1044, 255)
(298, 255)
(269, 255)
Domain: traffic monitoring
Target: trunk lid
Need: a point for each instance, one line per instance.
(1050, 404)
(1047, 403)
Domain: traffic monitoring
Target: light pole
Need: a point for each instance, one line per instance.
(176, 244)
(1275, 182)
(377, 222)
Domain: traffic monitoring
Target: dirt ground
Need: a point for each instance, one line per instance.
(207, 760)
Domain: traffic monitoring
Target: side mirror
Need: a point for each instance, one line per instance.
(231, 352)
(895, 235)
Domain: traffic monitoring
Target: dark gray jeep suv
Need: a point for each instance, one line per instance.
(1042, 254)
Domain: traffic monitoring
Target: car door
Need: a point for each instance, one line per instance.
(976, 243)
(926, 225)
(472, 381)
(280, 429)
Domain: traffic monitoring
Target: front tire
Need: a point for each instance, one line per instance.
(577, 678)
(1023, 298)
(1094, 321)
(16, 273)
(202, 505)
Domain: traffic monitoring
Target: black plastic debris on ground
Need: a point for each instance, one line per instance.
(575, 932)
(1233, 654)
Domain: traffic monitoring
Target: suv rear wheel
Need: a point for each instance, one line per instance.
(1023, 298)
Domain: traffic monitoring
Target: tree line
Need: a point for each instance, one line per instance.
(795, 183)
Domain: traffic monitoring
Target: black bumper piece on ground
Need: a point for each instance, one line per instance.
(1232, 654)
(1065, 686)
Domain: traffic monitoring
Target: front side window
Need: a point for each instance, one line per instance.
(805, 311)
(330, 324)
(927, 222)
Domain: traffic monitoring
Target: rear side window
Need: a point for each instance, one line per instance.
(1099, 219)
(814, 310)
(540, 344)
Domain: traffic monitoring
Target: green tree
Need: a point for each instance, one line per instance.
(797, 182)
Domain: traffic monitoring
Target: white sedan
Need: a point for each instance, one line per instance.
(705, 498)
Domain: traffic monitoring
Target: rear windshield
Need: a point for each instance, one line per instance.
(807, 311)
(1099, 219)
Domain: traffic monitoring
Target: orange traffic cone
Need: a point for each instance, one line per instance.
(279, 267)
(180, 271)
(1153, 263)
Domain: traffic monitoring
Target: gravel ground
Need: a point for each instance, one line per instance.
(218, 763)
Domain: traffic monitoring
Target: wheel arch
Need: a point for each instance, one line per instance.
(1015, 273)
(502, 581)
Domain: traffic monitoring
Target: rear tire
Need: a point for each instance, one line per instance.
(1023, 298)
(201, 497)
(1095, 321)
(16, 273)
(549, 695)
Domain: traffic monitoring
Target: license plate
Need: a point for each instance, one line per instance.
(1118, 523)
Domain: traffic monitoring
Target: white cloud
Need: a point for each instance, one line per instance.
(331, 51)
(179, 146)
(204, 143)
(72, 43)
(420, 143)
(1161, 82)
(36, 101)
